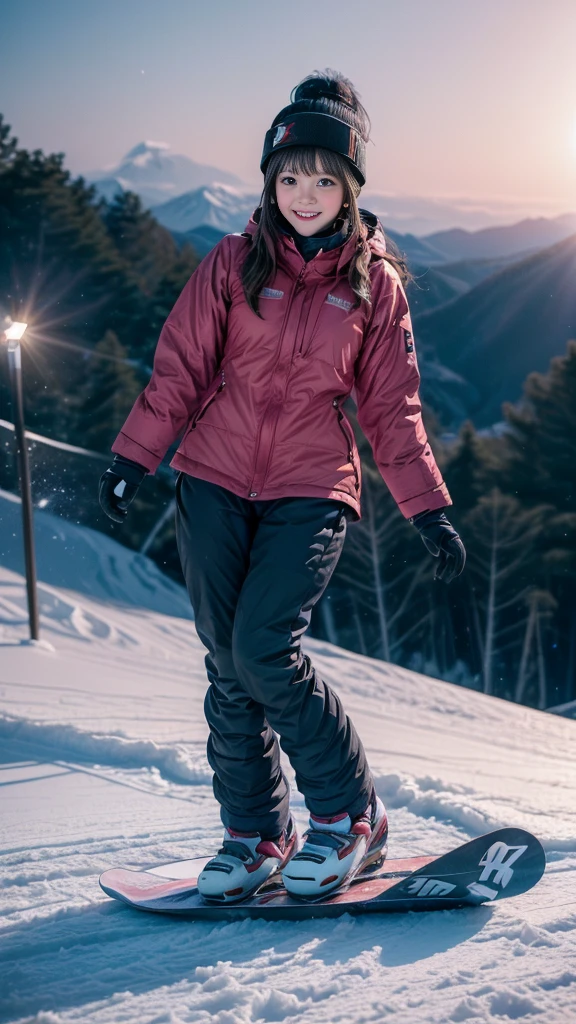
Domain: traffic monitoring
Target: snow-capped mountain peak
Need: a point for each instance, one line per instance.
(146, 152)
(146, 147)
(156, 173)
(220, 205)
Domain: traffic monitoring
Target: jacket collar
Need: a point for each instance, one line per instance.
(333, 261)
(309, 245)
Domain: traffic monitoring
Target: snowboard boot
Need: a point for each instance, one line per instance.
(336, 850)
(244, 862)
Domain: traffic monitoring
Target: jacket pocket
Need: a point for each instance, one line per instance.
(207, 400)
(309, 330)
(349, 435)
(336, 335)
(315, 316)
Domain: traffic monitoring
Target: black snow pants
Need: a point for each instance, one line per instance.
(254, 570)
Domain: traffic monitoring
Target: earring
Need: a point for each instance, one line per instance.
(345, 204)
(272, 200)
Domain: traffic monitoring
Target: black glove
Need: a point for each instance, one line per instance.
(119, 486)
(443, 541)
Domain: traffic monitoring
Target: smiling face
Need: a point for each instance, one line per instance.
(309, 202)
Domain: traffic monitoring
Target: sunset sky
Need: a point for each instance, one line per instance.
(466, 98)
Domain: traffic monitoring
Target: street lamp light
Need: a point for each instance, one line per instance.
(12, 334)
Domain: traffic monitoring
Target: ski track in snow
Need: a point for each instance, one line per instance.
(103, 743)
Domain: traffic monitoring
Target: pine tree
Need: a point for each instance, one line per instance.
(107, 395)
(59, 267)
(541, 466)
(161, 302)
(463, 470)
(148, 247)
(504, 544)
(542, 442)
(541, 604)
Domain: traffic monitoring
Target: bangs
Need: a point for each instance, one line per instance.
(308, 160)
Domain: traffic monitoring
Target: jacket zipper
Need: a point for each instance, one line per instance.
(311, 336)
(301, 351)
(210, 398)
(341, 421)
(264, 423)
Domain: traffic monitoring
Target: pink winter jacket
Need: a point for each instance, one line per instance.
(259, 400)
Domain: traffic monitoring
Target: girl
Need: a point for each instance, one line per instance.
(272, 332)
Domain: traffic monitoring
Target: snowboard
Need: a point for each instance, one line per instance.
(494, 866)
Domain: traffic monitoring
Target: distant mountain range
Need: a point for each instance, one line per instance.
(532, 233)
(228, 208)
(157, 174)
(502, 329)
(436, 286)
(225, 207)
(429, 216)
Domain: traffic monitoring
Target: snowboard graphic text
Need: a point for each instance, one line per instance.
(498, 859)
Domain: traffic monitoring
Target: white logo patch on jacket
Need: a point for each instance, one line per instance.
(334, 300)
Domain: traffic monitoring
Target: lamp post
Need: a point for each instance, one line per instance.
(12, 335)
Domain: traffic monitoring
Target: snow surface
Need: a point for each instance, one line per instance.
(103, 764)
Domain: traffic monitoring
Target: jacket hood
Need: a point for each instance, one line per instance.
(375, 233)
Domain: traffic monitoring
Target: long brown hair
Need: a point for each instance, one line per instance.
(316, 92)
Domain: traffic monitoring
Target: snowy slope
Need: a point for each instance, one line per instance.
(102, 735)
(80, 559)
